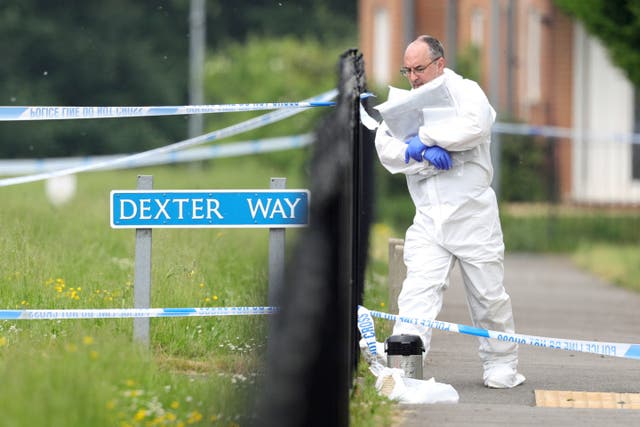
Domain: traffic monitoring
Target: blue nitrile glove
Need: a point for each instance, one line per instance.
(438, 156)
(415, 147)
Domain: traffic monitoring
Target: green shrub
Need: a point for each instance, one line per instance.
(566, 232)
(524, 169)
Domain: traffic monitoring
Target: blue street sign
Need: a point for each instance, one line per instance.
(209, 208)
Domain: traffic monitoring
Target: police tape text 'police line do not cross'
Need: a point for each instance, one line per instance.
(209, 208)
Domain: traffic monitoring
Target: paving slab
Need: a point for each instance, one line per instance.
(551, 297)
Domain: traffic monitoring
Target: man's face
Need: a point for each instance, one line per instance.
(419, 66)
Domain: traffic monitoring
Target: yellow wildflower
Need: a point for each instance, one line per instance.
(139, 416)
(194, 417)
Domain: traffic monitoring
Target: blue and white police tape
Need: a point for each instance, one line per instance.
(28, 113)
(245, 126)
(256, 146)
(367, 330)
(560, 132)
(629, 351)
(125, 313)
(42, 112)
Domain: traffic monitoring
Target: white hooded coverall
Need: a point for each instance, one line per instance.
(456, 219)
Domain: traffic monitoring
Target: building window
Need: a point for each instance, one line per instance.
(477, 27)
(533, 56)
(381, 46)
(635, 146)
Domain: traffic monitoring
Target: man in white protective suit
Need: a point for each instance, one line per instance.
(448, 168)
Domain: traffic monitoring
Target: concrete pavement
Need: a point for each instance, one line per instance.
(550, 298)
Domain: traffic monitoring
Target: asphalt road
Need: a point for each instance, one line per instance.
(550, 298)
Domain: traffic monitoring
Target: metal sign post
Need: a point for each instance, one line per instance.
(276, 253)
(142, 272)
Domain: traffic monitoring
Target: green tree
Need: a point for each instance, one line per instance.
(91, 53)
(237, 20)
(616, 24)
(120, 52)
(271, 69)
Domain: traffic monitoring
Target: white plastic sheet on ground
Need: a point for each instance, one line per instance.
(393, 383)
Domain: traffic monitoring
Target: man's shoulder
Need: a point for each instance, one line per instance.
(455, 78)
(456, 81)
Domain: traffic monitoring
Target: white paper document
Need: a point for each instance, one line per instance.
(406, 110)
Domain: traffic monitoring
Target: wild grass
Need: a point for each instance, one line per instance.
(198, 370)
(618, 264)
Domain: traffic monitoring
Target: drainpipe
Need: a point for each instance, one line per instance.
(452, 33)
(408, 14)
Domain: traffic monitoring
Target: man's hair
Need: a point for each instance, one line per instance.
(435, 47)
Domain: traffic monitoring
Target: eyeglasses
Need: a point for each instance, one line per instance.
(405, 71)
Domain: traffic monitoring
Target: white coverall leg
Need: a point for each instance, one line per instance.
(428, 267)
(430, 253)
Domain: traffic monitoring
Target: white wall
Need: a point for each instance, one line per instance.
(603, 119)
(381, 46)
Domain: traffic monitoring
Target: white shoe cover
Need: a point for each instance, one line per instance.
(502, 377)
